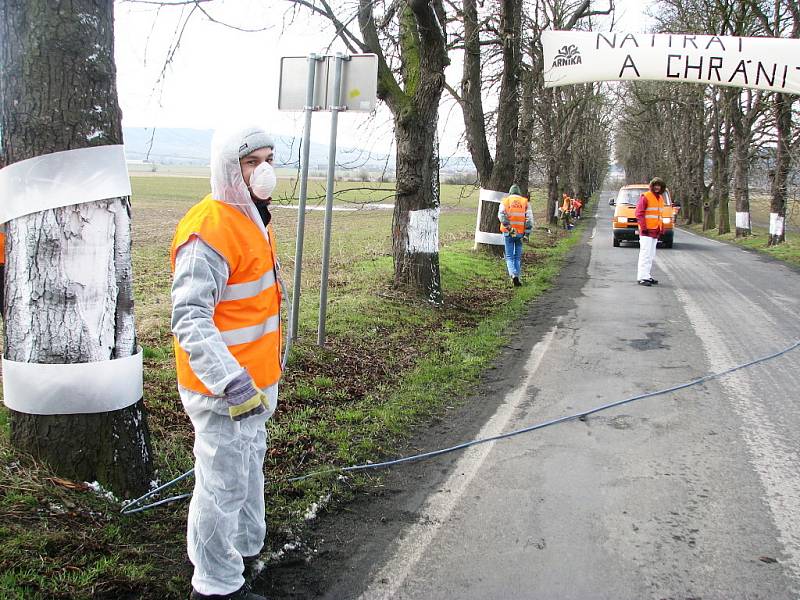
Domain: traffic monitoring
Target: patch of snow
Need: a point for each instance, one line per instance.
(311, 512)
(100, 491)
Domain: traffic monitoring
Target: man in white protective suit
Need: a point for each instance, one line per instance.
(227, 337)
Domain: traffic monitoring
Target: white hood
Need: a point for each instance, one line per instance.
(227, 183)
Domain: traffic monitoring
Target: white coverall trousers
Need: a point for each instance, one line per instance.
(227, 518)
(647, 253)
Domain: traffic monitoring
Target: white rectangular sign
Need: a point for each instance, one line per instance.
(771, 64)
(359, 82)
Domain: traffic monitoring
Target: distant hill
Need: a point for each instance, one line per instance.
(192, 147)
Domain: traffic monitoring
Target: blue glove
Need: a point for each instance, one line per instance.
(244, 398)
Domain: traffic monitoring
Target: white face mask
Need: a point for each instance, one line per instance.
(263, 181)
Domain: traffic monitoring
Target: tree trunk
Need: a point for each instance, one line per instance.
(415, 107)
(502, 174)
(416, 212)
(745, 107)
(472, 95)
(553, 193)
(69, 289)
(524, 138)
(697, 154)
(783, 159)
(722, 185)
(741, 188)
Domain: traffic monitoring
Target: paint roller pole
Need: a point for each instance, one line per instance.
(326, 236)
(308, 109)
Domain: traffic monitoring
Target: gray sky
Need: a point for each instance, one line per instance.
(220, 76)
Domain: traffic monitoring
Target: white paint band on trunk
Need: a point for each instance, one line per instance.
(486, 237)
(423, 231)
(63, 179)
(68, 389)
(492, 195)
(776, 222)
(742, 220)
(493, 239)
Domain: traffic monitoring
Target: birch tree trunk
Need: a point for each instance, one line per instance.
(68, 276)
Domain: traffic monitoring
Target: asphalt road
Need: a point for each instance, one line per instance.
(693, 494)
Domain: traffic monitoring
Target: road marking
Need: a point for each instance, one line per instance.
(437, 509)
(774, 460)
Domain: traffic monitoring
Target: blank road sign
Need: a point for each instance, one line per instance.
(359, 83)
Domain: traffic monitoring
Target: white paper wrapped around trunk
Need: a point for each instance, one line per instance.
(68, 389)
(742, 220)
(771, 64)
(776, 224)
(63, 179)
(423, 231)
(486, 237)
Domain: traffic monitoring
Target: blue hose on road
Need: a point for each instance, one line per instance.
(128, 509)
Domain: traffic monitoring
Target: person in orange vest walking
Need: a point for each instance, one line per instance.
(227, 337)
(650, 212)
(516, 223)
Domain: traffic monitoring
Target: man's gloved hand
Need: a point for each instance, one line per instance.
(526, 238)
(244, 398)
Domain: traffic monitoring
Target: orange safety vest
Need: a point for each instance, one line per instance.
(566, 204)
(516, 208)
(248, 313)
(655, 211)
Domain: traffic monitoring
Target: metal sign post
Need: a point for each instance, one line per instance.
(308, 109)
(353, 85)
(326, 235)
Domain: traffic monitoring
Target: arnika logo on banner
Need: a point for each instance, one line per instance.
(567, 55)
(771, 64)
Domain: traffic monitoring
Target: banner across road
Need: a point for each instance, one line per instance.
(771, 64)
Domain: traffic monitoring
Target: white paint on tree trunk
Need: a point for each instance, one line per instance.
(66, 272)
(742, 220)
(493, 239)
(423, 231)
(776, 222)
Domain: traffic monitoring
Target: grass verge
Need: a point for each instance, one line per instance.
(789, 251)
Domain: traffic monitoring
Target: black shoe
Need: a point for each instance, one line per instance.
(517, 282)
(645, 282)
(653, 281)
(243, 593)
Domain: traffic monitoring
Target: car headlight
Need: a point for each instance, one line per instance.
(667, 220)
